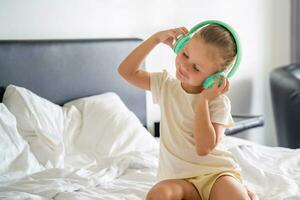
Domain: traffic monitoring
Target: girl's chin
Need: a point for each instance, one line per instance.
(193, 85)
(181, 79)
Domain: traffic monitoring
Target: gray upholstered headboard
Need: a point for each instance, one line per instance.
(63, 70)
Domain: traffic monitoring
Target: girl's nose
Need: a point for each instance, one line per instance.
(184, 64)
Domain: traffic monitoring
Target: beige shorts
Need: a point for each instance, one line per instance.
(204, 183)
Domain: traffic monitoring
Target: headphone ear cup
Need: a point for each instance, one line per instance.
(180, 43)
(210, 81)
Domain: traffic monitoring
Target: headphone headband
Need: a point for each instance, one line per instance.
(179, 44)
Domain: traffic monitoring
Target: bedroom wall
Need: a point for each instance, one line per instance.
(263, 27)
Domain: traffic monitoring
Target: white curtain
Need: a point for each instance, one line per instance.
(295, 31)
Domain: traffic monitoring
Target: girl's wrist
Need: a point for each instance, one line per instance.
(203, 98)
(155, 38)
(202, 101)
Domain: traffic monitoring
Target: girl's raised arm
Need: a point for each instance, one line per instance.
(130, 69)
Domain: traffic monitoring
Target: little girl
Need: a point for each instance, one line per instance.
(192, 164)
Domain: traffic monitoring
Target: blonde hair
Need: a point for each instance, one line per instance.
(221, 38)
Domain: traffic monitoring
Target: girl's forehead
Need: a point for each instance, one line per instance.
(199, 47)
(199, 51)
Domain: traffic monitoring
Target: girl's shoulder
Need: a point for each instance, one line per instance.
(221, 100)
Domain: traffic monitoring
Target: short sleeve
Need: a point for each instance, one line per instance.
(220, 111)
(157, 81)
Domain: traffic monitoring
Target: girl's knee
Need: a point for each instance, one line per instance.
(239, 196)
(159, 194)
(165, 190)
(227, 187)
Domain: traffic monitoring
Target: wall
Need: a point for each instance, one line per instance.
(295, 31)
(263, 27)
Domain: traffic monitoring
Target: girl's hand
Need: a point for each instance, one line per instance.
(168, 37)
(214, 91)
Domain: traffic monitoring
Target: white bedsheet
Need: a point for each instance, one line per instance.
(272, 172)
(124, 177)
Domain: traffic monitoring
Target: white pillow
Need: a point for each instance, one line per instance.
(108, 128)
(15, 154)
(86, 129)
(40, 123)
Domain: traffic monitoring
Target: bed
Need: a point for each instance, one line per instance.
(71, 128)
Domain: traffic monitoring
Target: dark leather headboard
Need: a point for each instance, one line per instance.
(63, 70)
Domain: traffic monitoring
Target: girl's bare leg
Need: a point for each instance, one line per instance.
(173, 189)
(228, 188)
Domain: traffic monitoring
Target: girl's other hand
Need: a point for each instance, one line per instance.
(210, 93)
(168, 37)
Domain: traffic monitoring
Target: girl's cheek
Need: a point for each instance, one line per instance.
(181, 59)
(177, 59)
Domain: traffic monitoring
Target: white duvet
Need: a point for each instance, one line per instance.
(273, 173)
(108, 155)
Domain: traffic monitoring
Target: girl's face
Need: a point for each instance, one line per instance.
(195, 63)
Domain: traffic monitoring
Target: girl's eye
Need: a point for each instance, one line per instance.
(195, 68)
(184, 54)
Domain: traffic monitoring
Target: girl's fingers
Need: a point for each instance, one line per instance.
(185, 30)
(225, 85)
(173, 34)
(219, 88)
(171, 43)
(180, 31)
(216, 83)
(176, 33)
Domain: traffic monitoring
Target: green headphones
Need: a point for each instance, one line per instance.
(182, 41)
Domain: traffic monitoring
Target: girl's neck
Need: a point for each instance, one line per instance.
(191, 89)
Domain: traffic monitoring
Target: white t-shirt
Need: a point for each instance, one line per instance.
(178, 157)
